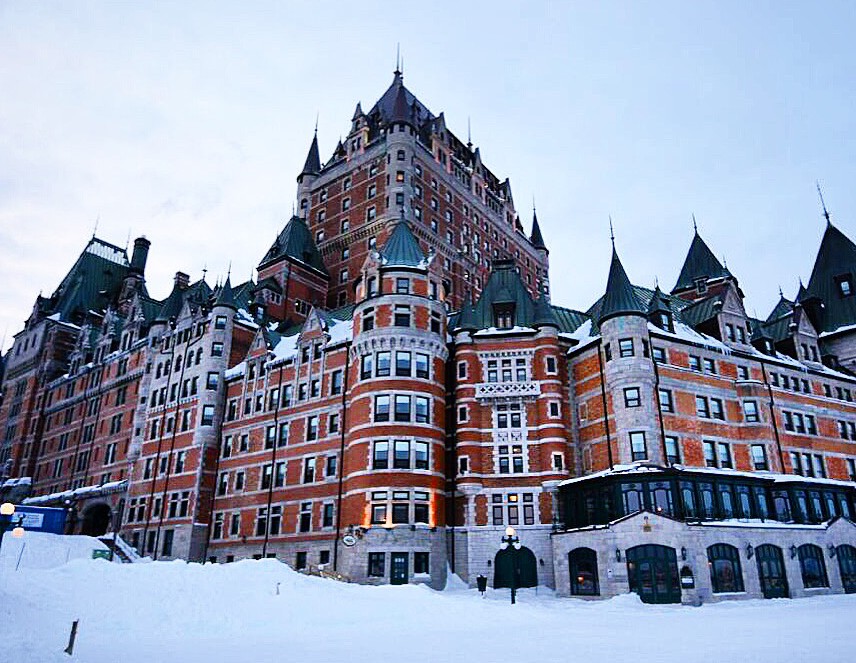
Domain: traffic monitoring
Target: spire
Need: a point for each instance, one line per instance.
(620, 297)
(312, 166)
(658, 303)
(226, 297)
(469, 135)
(699, 263)
(545, 316)
(823, 205)
(397, 73)
(536, 238)
(358, 112)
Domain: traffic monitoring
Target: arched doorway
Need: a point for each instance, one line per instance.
(582, 567)
(519, 565)
(771, 571)
(652, 572)
(847, 565)
(96, 520)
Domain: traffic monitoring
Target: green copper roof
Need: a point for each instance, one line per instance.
(620, 298)
(545, 316)
(700, 263)
(402, 249)
(702, 310)
(466, 319)
(504, 287)
(295, 242)
(835, 258)
(659, 302)
(93, 282)
(196, 293)
(783, 307)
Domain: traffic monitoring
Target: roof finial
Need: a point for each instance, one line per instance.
(611, 232)
(533, 203)
(229, 270)
(316, 122)
(128, 239)
(95, 228)
(781, 294)
(656, 282)
(695, 225)
(397, 71)
(823, 204)
(204, 270)
(469, 135)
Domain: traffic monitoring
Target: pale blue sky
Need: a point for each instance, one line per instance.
(188, 122)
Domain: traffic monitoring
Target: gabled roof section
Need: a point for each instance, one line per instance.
(620, 297)
(836, 258)
(699, 263)
(402, 249)
(569, 320)
(295, 242)
(504, 287)
(702, 310)
(784, 307)
(93, 282)
(196, 293)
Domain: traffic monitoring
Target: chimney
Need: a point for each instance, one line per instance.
(140, 255)
(182, 280)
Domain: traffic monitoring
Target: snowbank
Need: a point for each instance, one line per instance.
(40, 550)
(265, 612)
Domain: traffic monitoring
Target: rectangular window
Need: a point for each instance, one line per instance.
(377, 564)
(308, 470)
(381, 408)
(305, 522)
(380, 455)
(625, 347)
(422, 363)
(403, 363)
(401, 455)
(673, 454)
(709, 453)
(702, 407)
(402, 408)
(750, 411)
(716, 409)
(366, 367)
(383, 364)
(724, 454)
(420, 563)
(331, 467)
(336, 383)
(401, 317)
(311, 428)
(333, 423)
(421, 410)
(667, 403)
(207, 415)
(695, 363)
(631, 397)
(638, 449)
(212, 381)
(709, 366)
(327, 515)
(759, 457)
(402, 286)
(659, 354)
(420, 453)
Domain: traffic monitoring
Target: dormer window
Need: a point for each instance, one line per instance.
(503, 316)
(701, 285)
(665, 320)
(845, 285)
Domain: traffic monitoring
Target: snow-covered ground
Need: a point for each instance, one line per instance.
(263, 611)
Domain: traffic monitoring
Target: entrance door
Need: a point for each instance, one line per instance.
(771, 571)
(398, 569)
(652, 571)
(847, 565)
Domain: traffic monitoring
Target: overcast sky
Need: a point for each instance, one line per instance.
(188, 122)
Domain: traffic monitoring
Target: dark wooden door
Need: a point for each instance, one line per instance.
(652, 572)
(847, 565)
(398, 569)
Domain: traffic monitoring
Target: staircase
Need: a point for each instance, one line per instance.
(121, 549)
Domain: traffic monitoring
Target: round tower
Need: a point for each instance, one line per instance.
(395, 454)
(629, 375)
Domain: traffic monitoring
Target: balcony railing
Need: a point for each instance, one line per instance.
(507, 389)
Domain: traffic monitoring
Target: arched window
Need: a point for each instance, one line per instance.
(582, 566)
(812, 566)
(725, 572)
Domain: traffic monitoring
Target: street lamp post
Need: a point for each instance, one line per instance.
(511, 543)
(7, 512)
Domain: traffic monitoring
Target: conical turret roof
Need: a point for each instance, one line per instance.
(536, 237)
(312, 166)
(544, 314)
(620, 298)
(226, 297)
(295, 241)
(402, 249)
(835, 263)
(699, 263)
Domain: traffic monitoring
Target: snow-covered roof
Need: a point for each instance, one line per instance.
(77, 493)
